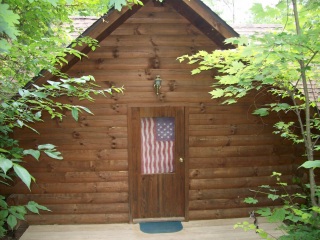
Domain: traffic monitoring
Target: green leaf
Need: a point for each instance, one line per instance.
(281, 107)
(293, 218)
(12, 221)
(86, 109)
(5, 164)
(278, 215)
(18, 211)
(69, 87)
(195, 71)
(34, 207)
(117, 4)
(20, 123)
(55, 155)
(229, 79)
(4, 46)
(38, 115)
(3, 203)
(46, 146)
(217, 93)
(23, 174)
(262, 112)
(9, 20)
(311, 164)
(273, 196)
(3, 214)
(34, 153)
(75, 113)
(229, 101)
(264, 212)
(235, 67)
(3, 150)
(262, 234)
(250, 200)
(40, 94)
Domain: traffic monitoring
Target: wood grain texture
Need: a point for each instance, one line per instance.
(227, 149)
(204, 229)
(158, 195)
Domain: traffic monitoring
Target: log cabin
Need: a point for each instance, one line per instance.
(153, 153)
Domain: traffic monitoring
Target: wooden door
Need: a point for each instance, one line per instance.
(157, 167)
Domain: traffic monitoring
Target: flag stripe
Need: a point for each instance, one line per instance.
(157, 155)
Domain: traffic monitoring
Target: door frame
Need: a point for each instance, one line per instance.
(131, 153)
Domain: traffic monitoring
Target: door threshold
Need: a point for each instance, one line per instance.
(141, 220)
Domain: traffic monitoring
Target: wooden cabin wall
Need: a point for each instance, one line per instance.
(229, 150)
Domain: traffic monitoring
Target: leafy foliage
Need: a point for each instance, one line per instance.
(284, 64)
(33, 36)
(269, 14)
(10, 215)
(296, 219)
(28, 108)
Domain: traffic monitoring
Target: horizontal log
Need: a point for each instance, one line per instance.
(151, 98)
(106, 121)
(124, 52)
(211, 204)
(89, 155)
(77, 144)
(84, 133)
(221, 213)
(44, 219)
(229, 129)
(102, 121)
(70, 155)
(211, 173)
(105, 109)
(244, 108)
(116, 76)
(225, 183)
(102, 187)
(225, 118)
(234, 193)
(80, 177)
(241, 161)
(158, 40)
(168, 85)
(157, 17)
(72, 198)
(174, 87)
(234, 140)
(132, 63)
(77, 166)
(156, 29)
(239, 151)
(210, 108)
(92, 208)
(89, 138)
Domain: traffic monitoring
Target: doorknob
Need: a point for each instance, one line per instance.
(181, 159)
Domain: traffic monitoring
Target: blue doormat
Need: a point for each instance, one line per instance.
(161, 227)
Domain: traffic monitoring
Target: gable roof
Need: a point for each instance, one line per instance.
(199, 14)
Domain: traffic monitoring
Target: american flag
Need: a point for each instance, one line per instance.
(157, 145)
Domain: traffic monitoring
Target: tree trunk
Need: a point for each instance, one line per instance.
(307, 133)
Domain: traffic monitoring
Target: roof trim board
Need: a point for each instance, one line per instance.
(206, 21)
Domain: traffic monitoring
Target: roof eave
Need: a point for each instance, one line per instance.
(206, 21)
